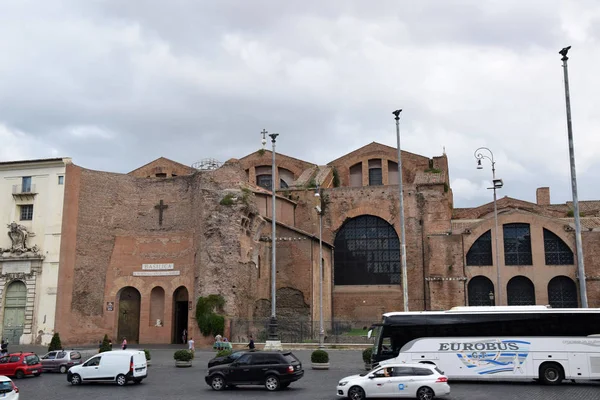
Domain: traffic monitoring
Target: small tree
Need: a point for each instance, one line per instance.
(105, 344)
(55, 343)
(319, 356)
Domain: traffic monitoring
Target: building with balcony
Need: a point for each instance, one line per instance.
(31, 208)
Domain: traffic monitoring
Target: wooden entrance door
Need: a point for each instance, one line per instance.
(129, 315)
(14, 312)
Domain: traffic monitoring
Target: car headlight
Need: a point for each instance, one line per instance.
(343, 383)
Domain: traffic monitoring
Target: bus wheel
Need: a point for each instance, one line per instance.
(551, 373)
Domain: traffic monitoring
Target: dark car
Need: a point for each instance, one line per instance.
(274, 369)
(227, 359)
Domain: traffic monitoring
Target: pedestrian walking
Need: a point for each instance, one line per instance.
(191, 346)
(124, 344)
(250, 345)
(184, 336)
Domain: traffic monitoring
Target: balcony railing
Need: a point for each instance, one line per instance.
(24, 189)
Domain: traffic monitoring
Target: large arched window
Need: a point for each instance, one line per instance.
(520, 292)
(481, 291)
(557, 252)
(480, 252)
(367, 252)
(517, 244)
(562, 292)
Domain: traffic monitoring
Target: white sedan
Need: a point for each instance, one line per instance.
(8, 390)
(421, 381)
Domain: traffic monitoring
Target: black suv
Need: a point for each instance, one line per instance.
(273, 369)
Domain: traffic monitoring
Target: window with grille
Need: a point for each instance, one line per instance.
(517, 244)
(27, 212)
(520, 292)
(557, 252)
(367, 252)
(480, 252)
(264, 181)
(375, 177)
(562, 293)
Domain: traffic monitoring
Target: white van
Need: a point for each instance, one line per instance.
(118, 366)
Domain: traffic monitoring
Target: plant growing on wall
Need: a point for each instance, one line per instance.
(209, 322)
(55, 343)
(336, 177)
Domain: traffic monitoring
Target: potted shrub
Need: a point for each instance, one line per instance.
(223, 353)
(147, 357)
(366, 355)
(319, 359)
(183, 358)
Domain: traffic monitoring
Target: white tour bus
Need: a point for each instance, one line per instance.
(503, 343)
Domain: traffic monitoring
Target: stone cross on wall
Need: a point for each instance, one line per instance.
(160, 207)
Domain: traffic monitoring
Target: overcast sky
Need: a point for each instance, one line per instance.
(116, 84)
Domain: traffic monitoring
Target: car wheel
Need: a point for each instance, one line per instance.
(75, 380)
(121, 380)
(356, 393)
(551, 374)
(63, 369)
(272, 383)
(425, 393)
(217, 382)
(19, 374)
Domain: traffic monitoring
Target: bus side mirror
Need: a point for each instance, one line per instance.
(369, 333)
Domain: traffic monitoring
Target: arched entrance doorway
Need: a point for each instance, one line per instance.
(14, 311)
(481, 291)
(562, 292)
(520, 292)
(180, 314)
(129, 315)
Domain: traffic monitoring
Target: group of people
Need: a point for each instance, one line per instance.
(4, 347)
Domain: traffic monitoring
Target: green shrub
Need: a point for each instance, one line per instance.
(105, 344)
(366, 355)
(209, 322)
(227, 200)
(55, 343)
(223, 353)
(183, 355)
(319, 356)
(147, 354)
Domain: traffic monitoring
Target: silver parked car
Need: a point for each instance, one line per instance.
(60, 360)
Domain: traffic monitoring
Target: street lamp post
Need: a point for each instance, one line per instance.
(321, 328)
(273, 342)
(402, 233)
(496, 184)
(580, 266)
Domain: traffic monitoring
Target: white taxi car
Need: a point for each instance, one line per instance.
(8, 390)
(421, 381)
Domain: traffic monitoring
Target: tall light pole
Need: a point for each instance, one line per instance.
(402, 233)
(496, 184)
(580, 266)
(320, 212)
(273, 337)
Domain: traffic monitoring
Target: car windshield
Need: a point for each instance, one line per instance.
(32, 360)
(439, 371)
(75, 355)
(236, 355)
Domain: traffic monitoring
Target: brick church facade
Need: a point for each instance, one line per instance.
(138, 249)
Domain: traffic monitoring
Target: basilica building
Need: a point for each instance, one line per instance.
(138, 249)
